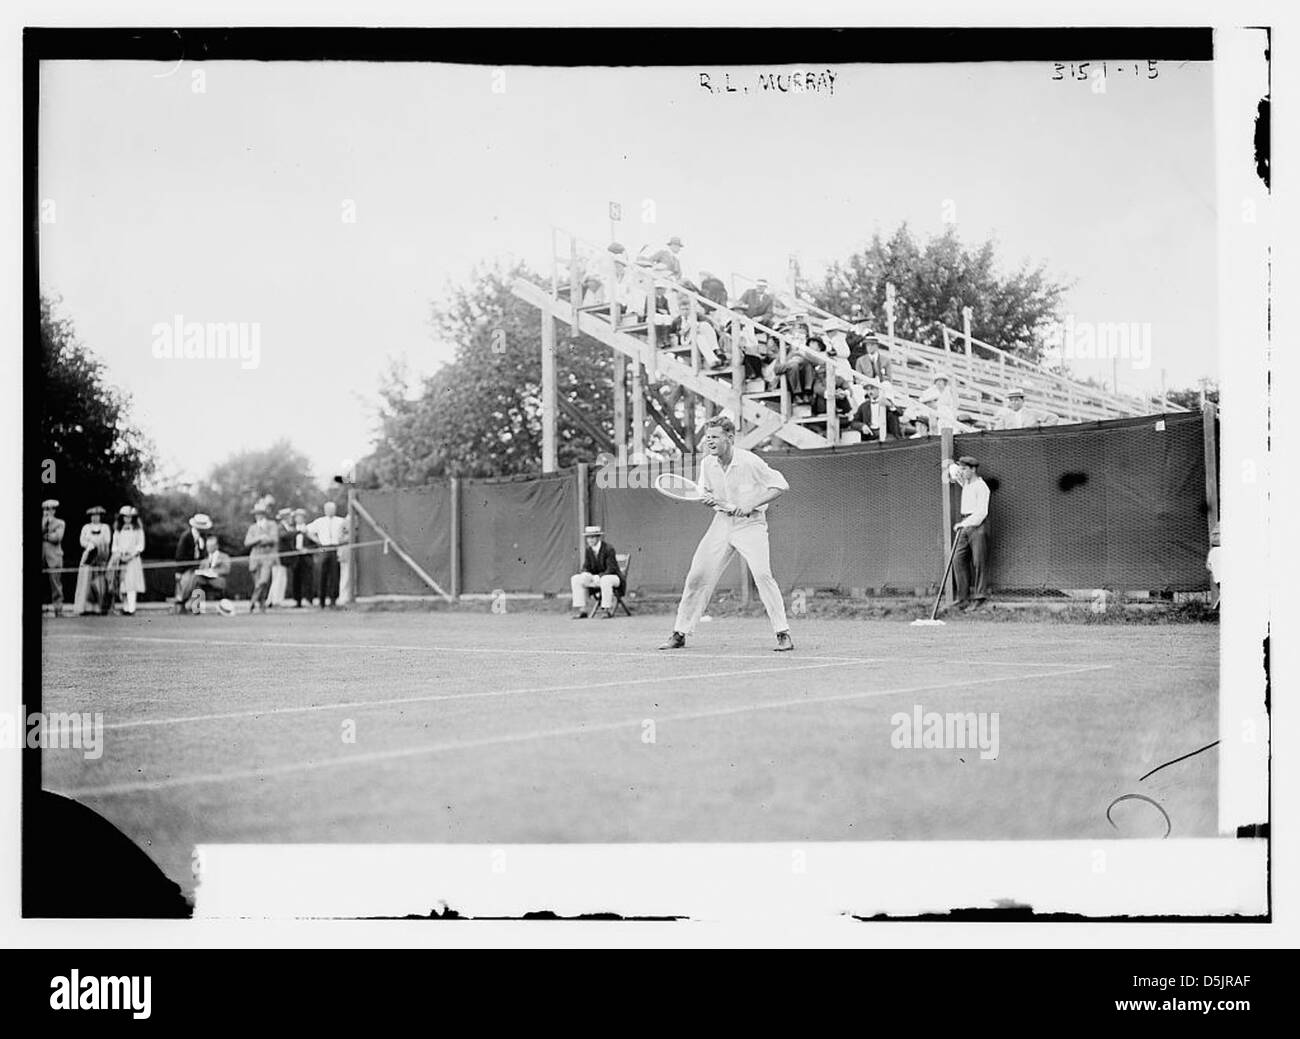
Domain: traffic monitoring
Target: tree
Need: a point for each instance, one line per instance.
(481, 414)
(1190, 398)
(230, 490)
(934, 281)
(91, 452)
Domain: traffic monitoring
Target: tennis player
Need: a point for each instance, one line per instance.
(738, 485)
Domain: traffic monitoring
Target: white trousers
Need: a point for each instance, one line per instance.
(279, 582)
(727, 535)
(605, 582)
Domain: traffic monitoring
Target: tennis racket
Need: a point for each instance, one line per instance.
(677, 487)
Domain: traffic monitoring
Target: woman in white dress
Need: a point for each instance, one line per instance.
(125, 567)
(96, 543)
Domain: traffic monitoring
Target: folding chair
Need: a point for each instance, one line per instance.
(624, 560)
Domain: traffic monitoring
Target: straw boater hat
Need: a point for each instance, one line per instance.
(284, 512)
(96, 510)
(50, 503)
(128, 510)
(941, 375)
(1015, 391)
(201, 521)
(674, 240)
(592, 532)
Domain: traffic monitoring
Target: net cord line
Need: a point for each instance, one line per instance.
(160, 564)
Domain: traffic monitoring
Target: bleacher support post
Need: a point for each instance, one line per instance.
(548, 393)
(945, 540)
(620, 408)
(454, 539)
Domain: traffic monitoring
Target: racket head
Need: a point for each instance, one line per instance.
(677, 487)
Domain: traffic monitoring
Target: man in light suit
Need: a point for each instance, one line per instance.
(52, 532)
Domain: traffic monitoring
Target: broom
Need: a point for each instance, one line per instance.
(933, 620)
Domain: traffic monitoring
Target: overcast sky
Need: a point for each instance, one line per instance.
(228, 205)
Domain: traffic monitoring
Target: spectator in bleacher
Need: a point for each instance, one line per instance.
(872, 363)
(125, 569)
(759, 304)
(699, 330)
(799, 367)
(712, 288)
(301, 566)
(208, 580)
(599, 570)
(262, 540)
(667, 257)
(919, 428)
(859, 334)
(752, 355)
(327, 532)
(96, 546)
(1014, 414)
(942, 401)
(53, 530)
(877, 418)
(843, 397)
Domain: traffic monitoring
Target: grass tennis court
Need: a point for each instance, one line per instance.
(521, 728)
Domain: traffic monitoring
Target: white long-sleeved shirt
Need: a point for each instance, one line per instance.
(740, 483)
(974, 502)
(328, 530)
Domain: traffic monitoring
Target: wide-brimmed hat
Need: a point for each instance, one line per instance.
(592, 531)
(941, 375)
(674, 240)
(284, 512)
(201, 521)
(1015, 391)
(96, 510)
(50, 503)
(300, 512)
(128, 510)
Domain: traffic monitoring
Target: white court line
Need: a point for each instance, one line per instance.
(545, 734)
(499, 651)
(438, 697)
(391, 647)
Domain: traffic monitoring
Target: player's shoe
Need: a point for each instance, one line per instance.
(579, 615)
(784, 643)
(607, 615)
(675, 641)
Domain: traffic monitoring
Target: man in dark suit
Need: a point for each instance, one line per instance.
(301, 567)
(712, 288)
(191, 551)
(599, 570)
(759, 303)
(877, 418)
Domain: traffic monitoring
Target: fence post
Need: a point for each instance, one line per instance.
(455, 539)
(1210, 436)
(832, 414)
(946, 538)
(584, 509)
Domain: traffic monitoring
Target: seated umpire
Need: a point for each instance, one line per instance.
(599, 570)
